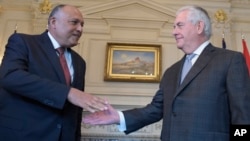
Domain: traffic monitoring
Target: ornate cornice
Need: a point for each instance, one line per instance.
(220, 16)
(221, 20)
(45, 7)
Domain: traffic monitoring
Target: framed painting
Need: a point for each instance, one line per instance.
(133, 62)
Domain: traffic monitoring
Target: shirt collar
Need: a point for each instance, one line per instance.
(53, 40)
(201, 48)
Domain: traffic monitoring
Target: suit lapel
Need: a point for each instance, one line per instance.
(50, 53)
(199, 65)
(79, 70)
(76, 68)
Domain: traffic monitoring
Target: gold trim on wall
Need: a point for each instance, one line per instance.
(45, 7)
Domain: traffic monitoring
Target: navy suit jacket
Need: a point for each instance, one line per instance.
(214, 95)
(33, 92)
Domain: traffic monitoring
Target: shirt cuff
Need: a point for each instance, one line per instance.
(122, 125)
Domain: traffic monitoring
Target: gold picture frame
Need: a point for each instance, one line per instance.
(133, 62)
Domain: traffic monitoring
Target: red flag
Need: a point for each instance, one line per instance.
(246, 54)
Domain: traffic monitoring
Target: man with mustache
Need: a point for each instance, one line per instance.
(39, 101)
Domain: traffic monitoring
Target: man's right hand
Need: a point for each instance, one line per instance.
(87, 101)
(105, 117)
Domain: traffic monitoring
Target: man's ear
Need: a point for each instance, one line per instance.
(52, 21)
(200, 27)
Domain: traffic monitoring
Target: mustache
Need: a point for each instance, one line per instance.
(77, 33)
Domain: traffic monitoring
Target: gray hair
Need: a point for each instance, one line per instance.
(55, 10)
(197, 14)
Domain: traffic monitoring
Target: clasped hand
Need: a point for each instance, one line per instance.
(105, 117)
(87, 101)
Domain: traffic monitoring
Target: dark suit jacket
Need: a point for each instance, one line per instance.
(33, 92)
(213, 95)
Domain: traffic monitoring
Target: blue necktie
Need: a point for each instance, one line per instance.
(187, 66)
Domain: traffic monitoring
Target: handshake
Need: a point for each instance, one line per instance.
(101, 112)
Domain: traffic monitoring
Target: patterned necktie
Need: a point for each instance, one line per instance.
(64, 65)
(187, 66)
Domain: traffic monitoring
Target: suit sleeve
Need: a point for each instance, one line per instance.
(140, 117)
(238, 86)
(15, 76)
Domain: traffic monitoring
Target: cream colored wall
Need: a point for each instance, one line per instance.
(126, 21)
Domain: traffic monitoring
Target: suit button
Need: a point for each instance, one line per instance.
(59, 126)
(48, 102)
(174, 114)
